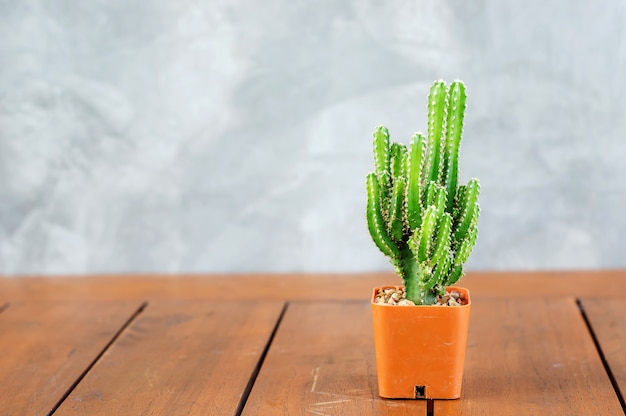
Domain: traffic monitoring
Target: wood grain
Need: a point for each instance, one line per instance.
(355, 286)
(178, 358)
(322, 362)
(608, 320)
(46, 346)
(531, 357)
(529, 350)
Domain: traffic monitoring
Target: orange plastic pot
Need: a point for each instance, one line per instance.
(420, 350)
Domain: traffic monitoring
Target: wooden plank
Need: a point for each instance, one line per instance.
(195, 287)
(46, 346)
(352, 286)
(531, 357)
(322, 362)
(606, 317)
(178, 358)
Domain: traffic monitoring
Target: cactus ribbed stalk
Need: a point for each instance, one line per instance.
(417, 214)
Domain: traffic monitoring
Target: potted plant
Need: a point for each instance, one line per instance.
(426, 223)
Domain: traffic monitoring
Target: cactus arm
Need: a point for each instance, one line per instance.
(398, 160)
(466, 247)
(436, 119)
(454, 131)
(469, 210)
(414, 187)
(435, 195)
(442, 244)
(425, 236)
(382, 163)
(439, 200)
(396, 210)
(454, 275)
(430, 193)
(382, 152)
(375, 221)
(397, 215)
(441, 271)
(384, 183)
(459, 200)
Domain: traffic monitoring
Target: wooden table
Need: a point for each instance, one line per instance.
(539, 343)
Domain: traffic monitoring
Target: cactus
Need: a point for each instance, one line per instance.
(417, 214)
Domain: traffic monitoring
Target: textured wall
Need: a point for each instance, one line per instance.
(236, 135)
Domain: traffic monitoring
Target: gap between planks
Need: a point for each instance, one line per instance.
(547, 362)
(115, 337)
(605, 362)
(257, 368)
(210, 351)
(430, 403)
(322, 362)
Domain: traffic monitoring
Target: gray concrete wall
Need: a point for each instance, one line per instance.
(195, 136)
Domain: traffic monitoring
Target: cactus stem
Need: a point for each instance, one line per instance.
(417, 214)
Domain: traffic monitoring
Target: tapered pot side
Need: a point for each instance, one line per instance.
(420, 350)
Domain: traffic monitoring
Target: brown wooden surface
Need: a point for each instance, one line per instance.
(608, 320)
(46, 346)
(529, 348)
(355, 286)
(322, 362)
(531, 357)
(178, 358)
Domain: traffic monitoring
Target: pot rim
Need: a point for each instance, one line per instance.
(448, 288)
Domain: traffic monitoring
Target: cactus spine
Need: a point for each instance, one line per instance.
(417, 214)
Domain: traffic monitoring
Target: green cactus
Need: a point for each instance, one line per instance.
(417, 214)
